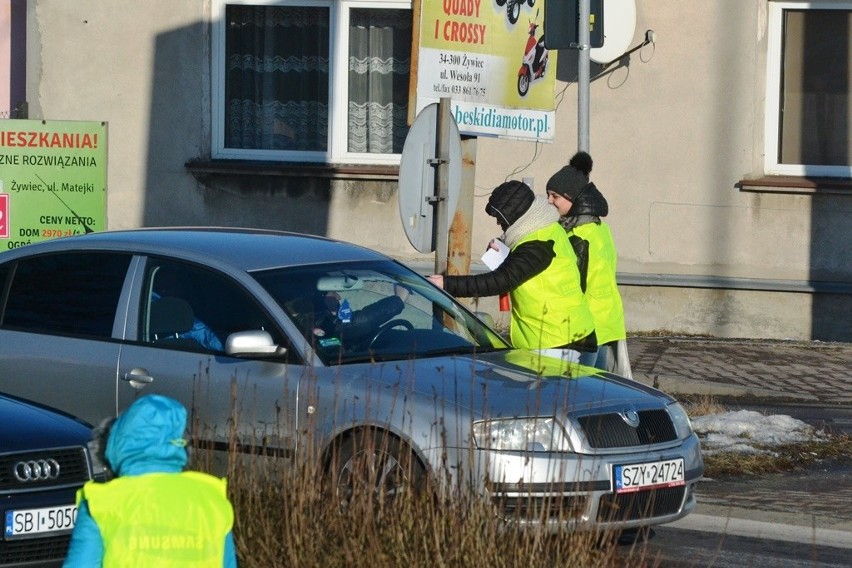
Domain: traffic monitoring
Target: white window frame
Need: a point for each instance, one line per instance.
(773, 90)
(338, 96)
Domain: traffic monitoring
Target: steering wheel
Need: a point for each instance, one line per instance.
(390, 325)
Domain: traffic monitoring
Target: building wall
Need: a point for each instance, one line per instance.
(672, 131)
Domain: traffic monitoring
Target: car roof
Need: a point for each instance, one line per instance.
(247, 249)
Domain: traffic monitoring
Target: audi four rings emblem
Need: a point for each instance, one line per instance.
(36, 470)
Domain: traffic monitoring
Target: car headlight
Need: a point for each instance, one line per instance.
(680, 419)
(521, 434)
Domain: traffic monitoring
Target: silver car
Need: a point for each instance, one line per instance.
(311, 341)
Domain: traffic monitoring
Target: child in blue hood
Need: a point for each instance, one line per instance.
(153, 513)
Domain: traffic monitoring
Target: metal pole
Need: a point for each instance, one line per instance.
(583, 80)
(461, 227)
(442, 182)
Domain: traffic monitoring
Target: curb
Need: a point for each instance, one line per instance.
(725, 520)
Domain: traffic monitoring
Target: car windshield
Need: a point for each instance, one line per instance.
(375, 311)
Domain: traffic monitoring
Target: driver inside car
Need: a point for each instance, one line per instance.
(334, 324)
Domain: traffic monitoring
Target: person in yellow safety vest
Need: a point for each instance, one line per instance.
(153, 513)
(581, 206)
(540, 275)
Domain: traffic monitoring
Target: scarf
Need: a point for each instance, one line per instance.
(539, 215)
(569, 223)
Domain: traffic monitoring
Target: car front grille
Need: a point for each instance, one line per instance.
(612, 431)
(73, 469)
(541, 508)
(46, 549)
(615, 507)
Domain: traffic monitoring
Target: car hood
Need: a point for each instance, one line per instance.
(517, 383)
(27, 426)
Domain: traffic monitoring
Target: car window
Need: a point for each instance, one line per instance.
(374, 310)
(189, 307)
(4, 274)
(71, 293)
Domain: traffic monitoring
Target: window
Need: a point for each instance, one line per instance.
(808, 111)
(74, 294)
(310, 80)
(188, 307)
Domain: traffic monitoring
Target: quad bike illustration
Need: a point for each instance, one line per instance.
(534, 63)
(513, 8)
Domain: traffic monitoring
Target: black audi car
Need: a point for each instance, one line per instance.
(44, 459)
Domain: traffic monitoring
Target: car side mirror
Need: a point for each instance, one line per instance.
(253, 342)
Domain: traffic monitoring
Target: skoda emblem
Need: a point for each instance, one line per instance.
(36, 470)
(630, 417)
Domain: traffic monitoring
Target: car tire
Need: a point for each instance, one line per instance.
(374, 468)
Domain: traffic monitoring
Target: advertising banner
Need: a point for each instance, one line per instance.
(489, 57)
(52, 179)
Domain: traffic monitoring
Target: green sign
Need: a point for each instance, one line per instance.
(52, 179)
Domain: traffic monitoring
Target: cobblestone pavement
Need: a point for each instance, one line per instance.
(815, 374)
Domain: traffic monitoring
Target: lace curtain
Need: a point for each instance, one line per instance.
(277, 75)
(277, 78)
(379, 65)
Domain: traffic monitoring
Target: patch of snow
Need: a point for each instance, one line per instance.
(749, 431)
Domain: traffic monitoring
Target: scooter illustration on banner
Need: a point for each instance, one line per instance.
(535, 60)
(513, 8)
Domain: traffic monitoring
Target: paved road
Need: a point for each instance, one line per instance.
(811, 381)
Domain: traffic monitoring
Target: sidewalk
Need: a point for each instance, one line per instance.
(765, 370)
(760, 372)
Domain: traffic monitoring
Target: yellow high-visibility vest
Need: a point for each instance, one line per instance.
(601, 288)
(161, 519)
(549, 309)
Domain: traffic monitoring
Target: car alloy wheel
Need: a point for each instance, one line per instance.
(374, 469)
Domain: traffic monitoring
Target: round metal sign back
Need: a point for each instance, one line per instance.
(417, 178)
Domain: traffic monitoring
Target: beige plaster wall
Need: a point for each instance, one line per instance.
(671, 132)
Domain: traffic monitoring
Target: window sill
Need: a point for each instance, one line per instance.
(294, 170)
(797, 184)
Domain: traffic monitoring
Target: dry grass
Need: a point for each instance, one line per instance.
(779, 459)
(288, 516)
(702, 405)
(292, 516)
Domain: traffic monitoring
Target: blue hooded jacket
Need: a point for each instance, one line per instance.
(146, 438)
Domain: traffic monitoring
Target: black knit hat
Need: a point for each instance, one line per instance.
(509, 201)
(570, 181)
(582, 161)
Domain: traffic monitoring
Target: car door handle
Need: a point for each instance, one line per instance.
(138, 377)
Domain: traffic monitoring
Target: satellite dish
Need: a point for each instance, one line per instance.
(619, 18)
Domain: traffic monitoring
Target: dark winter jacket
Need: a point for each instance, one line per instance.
(588, 207)
(526, 260)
